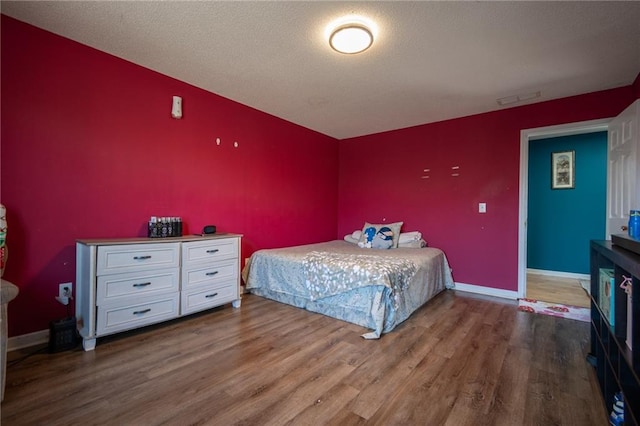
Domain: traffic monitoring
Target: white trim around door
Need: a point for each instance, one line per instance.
(527, 135)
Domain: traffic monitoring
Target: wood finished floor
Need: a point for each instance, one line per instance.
(459, 360)
(567, 291)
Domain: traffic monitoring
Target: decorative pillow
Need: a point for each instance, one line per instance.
(3, 236)
(3, 224)
(380, 236)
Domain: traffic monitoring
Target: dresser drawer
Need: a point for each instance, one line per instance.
(197, 300)
(125, 287)
(223, 270)
(205, 251)
(118, 318)
(137, 257)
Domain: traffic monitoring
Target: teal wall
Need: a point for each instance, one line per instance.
(561, 222)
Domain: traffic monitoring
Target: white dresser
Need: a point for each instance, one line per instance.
(122, 284)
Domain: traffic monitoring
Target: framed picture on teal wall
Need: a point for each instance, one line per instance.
(563, 170)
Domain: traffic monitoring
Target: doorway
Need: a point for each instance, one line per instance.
(530, 136)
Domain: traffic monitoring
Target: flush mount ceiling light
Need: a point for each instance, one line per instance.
(351, 38)
(351, 34)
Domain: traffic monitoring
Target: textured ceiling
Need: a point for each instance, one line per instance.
(431, 61)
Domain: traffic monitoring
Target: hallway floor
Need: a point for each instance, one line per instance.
(567, 291)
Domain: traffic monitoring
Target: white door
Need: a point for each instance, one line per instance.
(623, 180)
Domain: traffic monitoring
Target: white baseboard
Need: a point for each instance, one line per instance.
(559, 274)
(42, 336)
(487, 291)
(27, 340)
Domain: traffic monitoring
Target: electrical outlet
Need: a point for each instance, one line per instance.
(65, 290)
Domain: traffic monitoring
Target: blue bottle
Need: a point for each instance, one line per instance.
(634, 224)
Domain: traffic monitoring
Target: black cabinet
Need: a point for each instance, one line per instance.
(614, 352)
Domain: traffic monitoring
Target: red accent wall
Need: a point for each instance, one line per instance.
(636, 86)
(89, 149)
(381, 177)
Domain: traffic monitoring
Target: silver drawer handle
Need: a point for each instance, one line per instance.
(211, 273)
(141, 257)
(142, 284)
(209, 296)
(213, 251)
(144, 311)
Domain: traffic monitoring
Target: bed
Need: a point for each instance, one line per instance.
(376, 289)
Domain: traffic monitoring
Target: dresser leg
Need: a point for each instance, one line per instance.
(236, 303)
(89, 344)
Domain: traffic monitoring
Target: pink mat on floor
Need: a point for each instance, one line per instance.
(554, 309)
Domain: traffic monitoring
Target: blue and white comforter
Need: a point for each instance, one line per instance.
(328, 274)
(377, 289)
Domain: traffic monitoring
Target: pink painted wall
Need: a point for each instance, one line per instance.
(89, 149)
(381, 178)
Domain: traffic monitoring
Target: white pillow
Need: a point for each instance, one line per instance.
(407, 237)
(413, 244)
(349, 238)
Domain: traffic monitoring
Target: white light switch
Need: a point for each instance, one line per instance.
(482, 207)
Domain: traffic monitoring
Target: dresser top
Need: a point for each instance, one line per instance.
(144, 240)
